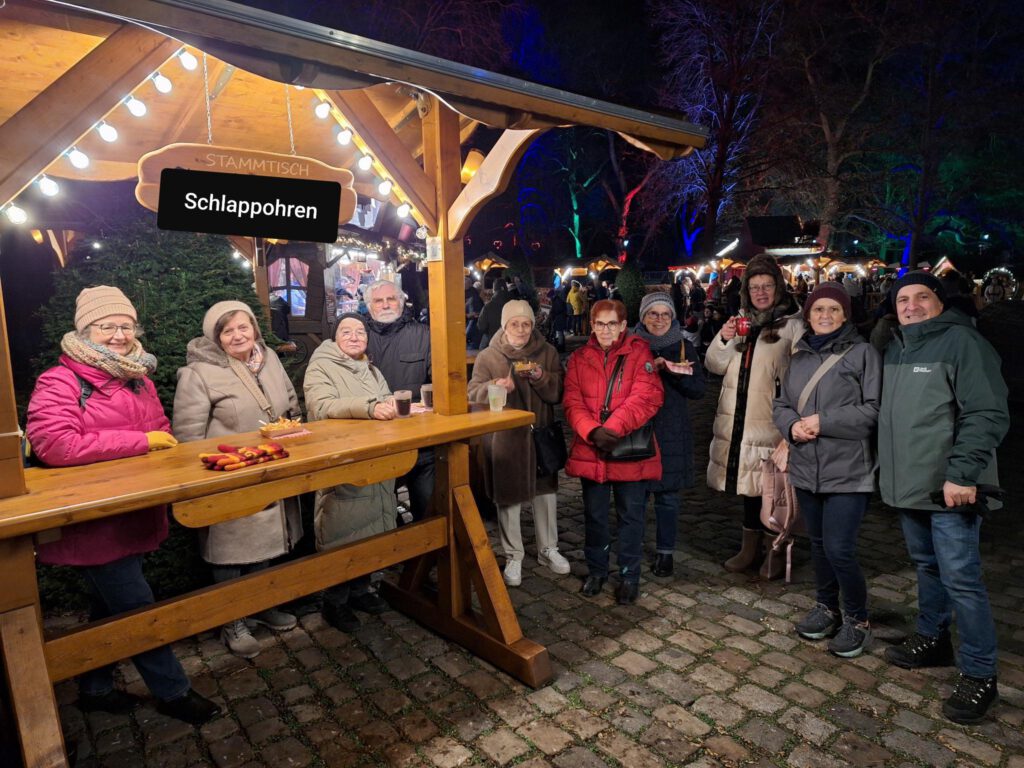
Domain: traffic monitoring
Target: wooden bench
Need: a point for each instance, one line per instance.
(337, 451)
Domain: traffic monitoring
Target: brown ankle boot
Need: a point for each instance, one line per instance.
(774, 565)
(749, 552)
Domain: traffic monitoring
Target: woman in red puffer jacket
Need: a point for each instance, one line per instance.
(636, 396)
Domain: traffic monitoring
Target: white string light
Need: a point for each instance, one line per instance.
(345, 137)
(162, 83)
(365, 162)
(403, 210)
(322, 110)
(385, 187)
(107, 132)
(16, 215)
(188, 61)
(135, 106)
(48, 186)
(78, 158)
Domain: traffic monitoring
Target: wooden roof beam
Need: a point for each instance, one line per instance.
(376, 132)
(64, 112)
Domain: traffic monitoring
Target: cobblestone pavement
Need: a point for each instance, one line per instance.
(704, 670)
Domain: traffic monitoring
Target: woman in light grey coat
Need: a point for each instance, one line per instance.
(231, 382)
(830, 425)
(340, 383)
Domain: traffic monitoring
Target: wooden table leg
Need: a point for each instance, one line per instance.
(468, 565)
(35, 707)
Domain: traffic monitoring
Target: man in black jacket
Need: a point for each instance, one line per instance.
(400, 348)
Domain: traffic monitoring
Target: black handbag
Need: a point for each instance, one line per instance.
(549, 445)
(638, 444)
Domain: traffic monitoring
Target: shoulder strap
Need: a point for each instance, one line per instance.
(249, 382)
(824, 368)
(85, 388)
(611, 381)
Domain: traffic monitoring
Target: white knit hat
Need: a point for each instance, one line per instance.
(517, 308)
(101, 301)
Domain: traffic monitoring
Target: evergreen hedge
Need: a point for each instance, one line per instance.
(630, 284)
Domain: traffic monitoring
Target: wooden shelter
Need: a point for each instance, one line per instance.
(69, 67)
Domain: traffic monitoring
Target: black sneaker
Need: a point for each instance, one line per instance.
(819, 623)
(341, 617)
(190, 708)
(369, 602)
(852, 638)
(922, 651)
(114, 701)
(972, 696)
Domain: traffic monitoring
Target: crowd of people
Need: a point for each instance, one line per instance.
(918, 420)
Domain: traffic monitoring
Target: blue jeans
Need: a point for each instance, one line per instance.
(833, 522)
(944, 547)
(118, 587)
(666, 519)
(630, 502)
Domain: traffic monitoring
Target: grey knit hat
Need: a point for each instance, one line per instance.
(658, 297)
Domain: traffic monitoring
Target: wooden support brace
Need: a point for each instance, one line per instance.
(110, 640)
(35, 707)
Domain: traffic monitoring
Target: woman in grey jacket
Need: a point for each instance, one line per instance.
(340, 383)
(830, 426)
(232, 382)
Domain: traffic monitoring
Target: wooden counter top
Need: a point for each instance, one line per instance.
(65, 495)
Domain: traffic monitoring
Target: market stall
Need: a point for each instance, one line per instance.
(75, 80)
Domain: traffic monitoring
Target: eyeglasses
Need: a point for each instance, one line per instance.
(357, 333)
(599, 326)
(109, 329)
(762, 288)
(659, 315)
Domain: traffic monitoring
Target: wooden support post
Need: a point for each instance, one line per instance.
(442, 161)
(12, 473)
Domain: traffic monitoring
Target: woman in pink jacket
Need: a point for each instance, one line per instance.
(97, 404)
(637, 394)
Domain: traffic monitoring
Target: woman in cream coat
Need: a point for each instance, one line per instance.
(231, 382)
(753, 367)
(340, 383)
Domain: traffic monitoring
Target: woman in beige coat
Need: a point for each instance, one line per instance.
(340, 383)
(753, 365)
(511, 477)
(231, 382)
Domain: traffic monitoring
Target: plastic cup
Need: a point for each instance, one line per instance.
(427, 396)
(497, 396)
(403, 402)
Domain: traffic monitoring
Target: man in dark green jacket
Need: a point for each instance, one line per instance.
(943, 414)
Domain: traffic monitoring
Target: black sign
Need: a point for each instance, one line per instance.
(254, 206)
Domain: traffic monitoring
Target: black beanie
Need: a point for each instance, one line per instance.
(347, 315)
(927, 279)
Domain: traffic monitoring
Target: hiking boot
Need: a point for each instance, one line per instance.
(340, 617)
(279, 621)
(553, 559)
(513, 573)
(853, 637)
(819, 623)
(972, 696)
(239, 639)
(190, 708)
(114, 701)
(922, 651)
(369, 602)
(750, 551)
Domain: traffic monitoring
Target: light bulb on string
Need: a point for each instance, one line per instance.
(162, 83)
(188, 61)
(16, 215)
(365, 163)
(385, 187)
(48, 186)
(322, 110)
(403, 210)
(107, 132)
(135, 106)
(78, 158)
(345, 137)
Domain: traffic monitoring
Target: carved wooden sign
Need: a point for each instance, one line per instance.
(232, 160)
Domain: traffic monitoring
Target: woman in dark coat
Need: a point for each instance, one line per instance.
(682, 381)
(559, 317)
